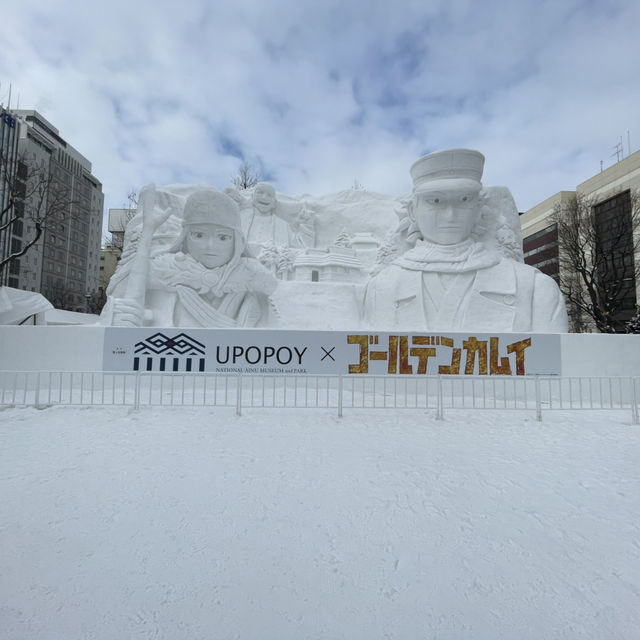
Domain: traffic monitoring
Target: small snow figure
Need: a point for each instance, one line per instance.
(343, 239)
(285, 262)
(268, 256)
(386, 252)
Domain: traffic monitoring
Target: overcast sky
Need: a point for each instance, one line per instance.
(319, 94)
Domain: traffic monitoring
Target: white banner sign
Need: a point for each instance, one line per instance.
(255, 351)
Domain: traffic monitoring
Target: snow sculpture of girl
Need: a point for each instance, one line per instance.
(203, 279)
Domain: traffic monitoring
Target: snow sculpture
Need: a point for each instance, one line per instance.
(163, 237)
(463, 271)
(195, 277)
(266, 223)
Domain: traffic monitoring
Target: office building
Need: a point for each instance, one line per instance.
(63, 264)
(9, 135)
(612, 195)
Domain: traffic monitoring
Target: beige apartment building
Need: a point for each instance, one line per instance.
(112, 250)
(109, 259)
(611, 192)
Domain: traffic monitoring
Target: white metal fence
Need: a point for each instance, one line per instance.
(437, 393)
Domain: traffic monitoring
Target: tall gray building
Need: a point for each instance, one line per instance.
(9, 130)
(63, 264)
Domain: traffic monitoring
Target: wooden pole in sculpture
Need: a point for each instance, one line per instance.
(152, 218)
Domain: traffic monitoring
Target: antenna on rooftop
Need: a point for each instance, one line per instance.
(619, 151)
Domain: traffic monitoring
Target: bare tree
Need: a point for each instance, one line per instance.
(633, 325)
(61, 296)
(247, 177)
(95, 300)
(35, 197)
(132, 199)
(598, 245)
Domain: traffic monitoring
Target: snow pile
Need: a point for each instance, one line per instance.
(188, 524)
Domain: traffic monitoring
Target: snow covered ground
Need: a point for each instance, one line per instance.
(195, 523)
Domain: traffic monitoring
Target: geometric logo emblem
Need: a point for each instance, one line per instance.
(178, 346)
(182, 344)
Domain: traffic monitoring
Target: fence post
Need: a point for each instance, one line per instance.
(439, 401)
(38, 389)
(635, 415)
(339, 396)
(239, 395)
(136, 401)
(538, 400)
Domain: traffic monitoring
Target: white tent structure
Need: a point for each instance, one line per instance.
(22, 307)
(26, 307)
(66, 318)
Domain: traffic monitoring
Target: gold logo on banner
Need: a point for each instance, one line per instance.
(487, 353)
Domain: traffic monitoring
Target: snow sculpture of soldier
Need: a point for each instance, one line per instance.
(457, 277)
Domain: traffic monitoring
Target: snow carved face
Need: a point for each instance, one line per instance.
(447, 217)
(264, 198)
(210, 244)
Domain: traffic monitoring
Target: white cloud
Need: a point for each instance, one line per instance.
(321, 94)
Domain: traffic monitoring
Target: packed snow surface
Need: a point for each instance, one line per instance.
(199, 524)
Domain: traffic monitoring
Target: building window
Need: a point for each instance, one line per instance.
(614, 250)
(541, 250)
